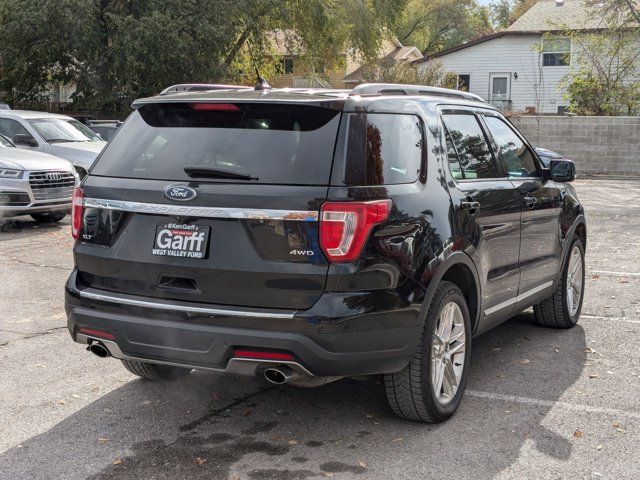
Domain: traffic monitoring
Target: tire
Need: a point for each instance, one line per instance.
(560, 310)
(152, 371)
(410, 392)
(48, 217)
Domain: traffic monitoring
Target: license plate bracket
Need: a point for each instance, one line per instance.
(182, 240)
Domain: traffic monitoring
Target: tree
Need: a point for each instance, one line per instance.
(430, 73)
(604, 72)
(434, 25)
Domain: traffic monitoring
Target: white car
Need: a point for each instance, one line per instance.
(51, 133)
(34, 183)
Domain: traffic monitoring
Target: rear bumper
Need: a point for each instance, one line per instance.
(204, 338)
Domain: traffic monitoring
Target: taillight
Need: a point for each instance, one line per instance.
(345, 227)
(77, 211)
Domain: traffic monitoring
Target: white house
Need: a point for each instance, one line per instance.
(519, 69)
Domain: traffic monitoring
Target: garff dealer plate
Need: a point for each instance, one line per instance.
(181, 240)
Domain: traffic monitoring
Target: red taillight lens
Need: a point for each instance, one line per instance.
(214, 107)
(77, 211)
(262, 355)
(345, 227)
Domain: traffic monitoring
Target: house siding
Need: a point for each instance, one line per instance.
(510, 54)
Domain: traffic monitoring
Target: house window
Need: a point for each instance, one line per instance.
(556, 52)
(562, 109)
(463, 82)
(286, 65)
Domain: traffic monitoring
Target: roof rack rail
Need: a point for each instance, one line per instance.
(200, 87)
(370, 89)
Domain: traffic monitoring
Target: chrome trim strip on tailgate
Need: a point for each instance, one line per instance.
(207, 212)
(101, 297)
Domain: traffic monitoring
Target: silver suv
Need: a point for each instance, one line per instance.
(34, 183)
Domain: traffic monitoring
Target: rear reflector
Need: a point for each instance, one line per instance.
(345, 227)
(91, 332)
(262, 355)
(77, 212)
(214, 107)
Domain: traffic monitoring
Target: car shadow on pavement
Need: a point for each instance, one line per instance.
(27, 227)
(207, 426)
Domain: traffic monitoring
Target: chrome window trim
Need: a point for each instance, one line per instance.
(101, 297)
(206, 212)
(519, 298)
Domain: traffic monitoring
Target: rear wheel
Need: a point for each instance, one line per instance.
(562, 309)
(48, 217)
(430, 388)
(152, 371)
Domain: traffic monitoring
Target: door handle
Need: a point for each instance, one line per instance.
(470, 205)
(530, 201)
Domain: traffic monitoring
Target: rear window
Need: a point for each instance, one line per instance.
(280, 144)
(382, 149)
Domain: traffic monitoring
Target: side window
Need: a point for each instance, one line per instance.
(474, 156)
(9, 128)
(516, 155)
(452, 156)
(383, 149)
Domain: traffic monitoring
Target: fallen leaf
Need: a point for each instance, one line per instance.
(362, 464)
(615, 424)
(496, 349)
(103, 439)
(577, 434)
(598, 447)
(293, 442)
(247, 413)
(623, 281)
(595, 277)
(62, 402)
(370, 415)
(524, 361)
(236, 477)
(200, 461)
(328, 474)
(117, 462)
(556, 350)
(146, 402)
(594, 375)
(75, 396)
(399, 439)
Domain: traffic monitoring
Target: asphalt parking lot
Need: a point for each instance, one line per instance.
(539, 404)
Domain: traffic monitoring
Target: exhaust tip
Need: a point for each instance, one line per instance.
(275, 376)
(99, 350)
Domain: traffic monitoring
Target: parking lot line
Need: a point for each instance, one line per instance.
(614, 412)
(601, 317)
(616, 274)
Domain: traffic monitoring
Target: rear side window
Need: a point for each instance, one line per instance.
(466, 137)
(382, 149)
(279, 144)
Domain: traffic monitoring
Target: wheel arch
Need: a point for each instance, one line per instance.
(458, 269)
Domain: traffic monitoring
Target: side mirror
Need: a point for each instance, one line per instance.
(562, 170)
(25, 139)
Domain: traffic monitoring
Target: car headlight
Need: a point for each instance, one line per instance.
(10, 173)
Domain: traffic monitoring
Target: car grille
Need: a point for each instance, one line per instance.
(51, 185)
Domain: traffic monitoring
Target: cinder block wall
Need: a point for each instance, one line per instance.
(598, 145)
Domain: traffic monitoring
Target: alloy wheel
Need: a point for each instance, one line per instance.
(448, 353)
(574, 281)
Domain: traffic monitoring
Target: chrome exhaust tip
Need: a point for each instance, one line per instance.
(278, 375)
(99, 350)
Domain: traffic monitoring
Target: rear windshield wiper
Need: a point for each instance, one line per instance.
(204, 171)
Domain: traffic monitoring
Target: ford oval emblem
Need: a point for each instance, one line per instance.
(180, 193)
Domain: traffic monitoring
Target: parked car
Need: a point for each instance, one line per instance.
(4, 106)
(34, 183)
(547, 155)
(309, 235)
(51, 133)
(105, 128)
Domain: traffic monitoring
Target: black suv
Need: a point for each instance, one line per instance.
(308, 235)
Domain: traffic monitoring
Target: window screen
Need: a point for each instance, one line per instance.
(474, 156)
(383, 149)
(514, 152)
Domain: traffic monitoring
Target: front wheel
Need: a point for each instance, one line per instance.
(430, 388)
(48, 217)
(562, 309)
(152, 371)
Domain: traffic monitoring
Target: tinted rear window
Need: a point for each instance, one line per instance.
(281, 144)
(382, 149)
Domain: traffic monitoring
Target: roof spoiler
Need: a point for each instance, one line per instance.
(200, 87)
(371, 89)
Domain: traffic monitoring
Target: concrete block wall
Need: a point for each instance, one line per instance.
(597, 145)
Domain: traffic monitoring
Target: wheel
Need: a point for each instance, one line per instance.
(562, 309)
(48, 217)
(429, 389)
(152, 371)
